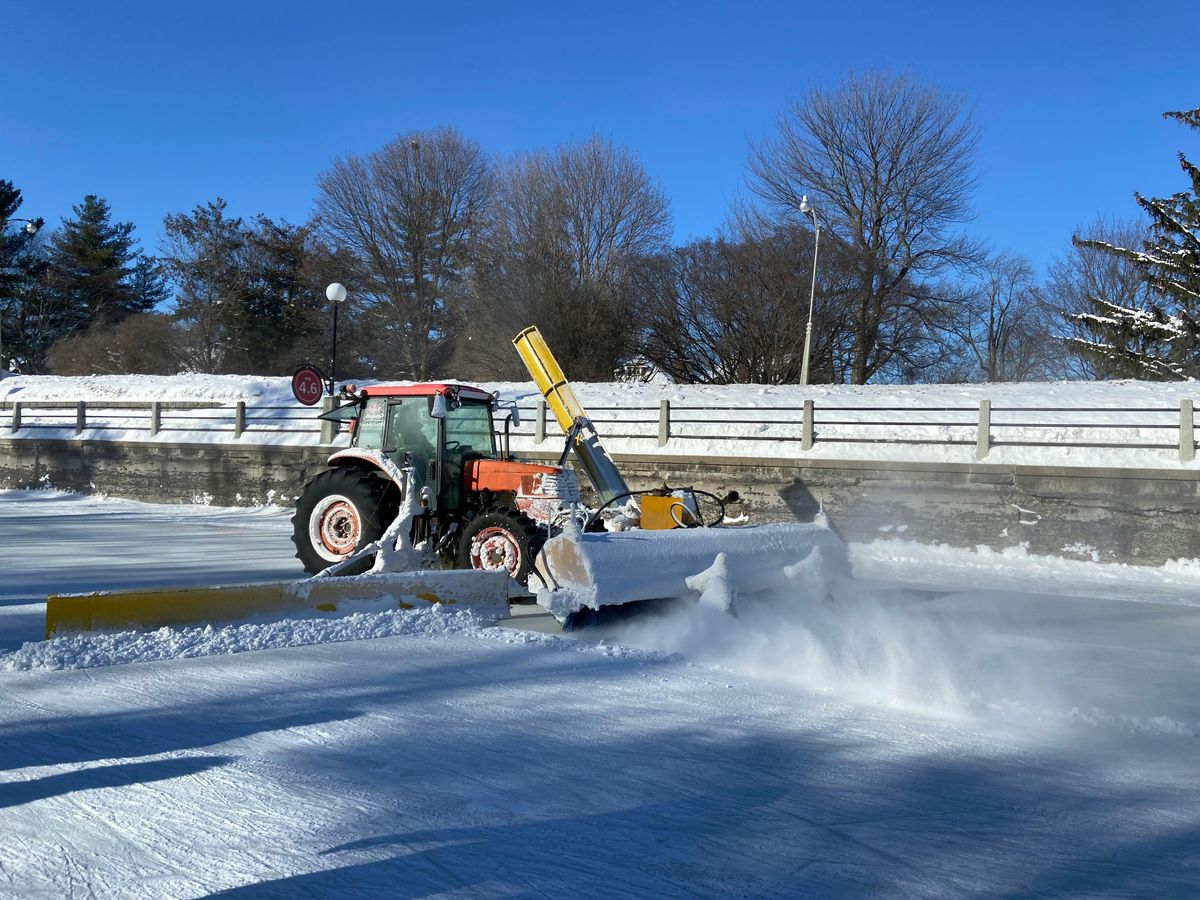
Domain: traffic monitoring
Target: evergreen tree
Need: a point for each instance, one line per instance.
(251, 298)
(11, 243)
(21, 264)
(95, 271)
(1162, 340)
(204, 253)
(283, 312)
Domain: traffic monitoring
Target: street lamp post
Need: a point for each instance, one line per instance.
(32, 226)
(806, 207)
(336, 294)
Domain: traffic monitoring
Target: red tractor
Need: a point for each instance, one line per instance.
(478, 509)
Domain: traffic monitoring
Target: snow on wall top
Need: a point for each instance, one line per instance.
(97, 388)
(277, 391)
(1122, 424)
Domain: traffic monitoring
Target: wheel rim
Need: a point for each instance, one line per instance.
(495, 549)
(335, 527)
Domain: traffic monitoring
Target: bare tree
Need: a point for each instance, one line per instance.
(887, 161)
(410, 212)
(571, 228)
(1004, 323)
(734, 309)
(1085, 274)
(143, 343)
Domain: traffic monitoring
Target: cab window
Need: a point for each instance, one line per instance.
(469, 429)
(412, 430)
(369, 435)
(468, 433)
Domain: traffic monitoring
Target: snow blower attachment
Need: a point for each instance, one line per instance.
(592, 575)
(656, 545)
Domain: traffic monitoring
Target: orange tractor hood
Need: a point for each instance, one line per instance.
(497, 476)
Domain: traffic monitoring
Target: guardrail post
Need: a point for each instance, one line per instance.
(239, 419)
(16, 419)
(983, 438)
(664, 422)
(806, 440)
(539, 423)
(1187, 432)
(80, 416)
(329, 429)
(155, 416)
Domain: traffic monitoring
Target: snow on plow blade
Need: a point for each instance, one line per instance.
(485, 592)
(593, 570)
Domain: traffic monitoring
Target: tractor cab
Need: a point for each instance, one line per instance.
(478, 508)
(435, 428)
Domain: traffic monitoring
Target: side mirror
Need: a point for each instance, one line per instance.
(515, 415)
(439, 406)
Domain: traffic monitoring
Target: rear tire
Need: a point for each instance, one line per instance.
(340, 511)
(501, 538)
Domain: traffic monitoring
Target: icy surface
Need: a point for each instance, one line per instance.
(989, 741)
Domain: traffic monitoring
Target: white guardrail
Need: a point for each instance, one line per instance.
(155, 417)
(803, 427)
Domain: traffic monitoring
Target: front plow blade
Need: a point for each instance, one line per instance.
(485, 592)
(592, 571)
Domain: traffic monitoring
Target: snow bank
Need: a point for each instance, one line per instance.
(1122, 424)
(85, 651)
(115, 388)
(940, 566)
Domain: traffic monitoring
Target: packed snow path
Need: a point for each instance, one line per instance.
(983, 742)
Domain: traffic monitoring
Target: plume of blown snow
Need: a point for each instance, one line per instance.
(893, 648)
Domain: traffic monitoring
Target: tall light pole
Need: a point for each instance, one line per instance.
(32, 226)
(336, 294)
(806, 207)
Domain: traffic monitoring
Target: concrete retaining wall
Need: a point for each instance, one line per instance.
(1126, 515)
(223, 474)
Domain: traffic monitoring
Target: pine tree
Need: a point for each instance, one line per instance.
(283, 311)
(21, 264)
(96, 272)
(205, 254)
(1162, 340)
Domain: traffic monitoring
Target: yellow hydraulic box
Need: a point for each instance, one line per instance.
(659, 513)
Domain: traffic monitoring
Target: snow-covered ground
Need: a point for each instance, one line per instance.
(994, 740)
(1111, 424)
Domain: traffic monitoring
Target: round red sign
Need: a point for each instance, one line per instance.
(307, 385)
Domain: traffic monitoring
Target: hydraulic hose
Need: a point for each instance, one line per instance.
(731, 497)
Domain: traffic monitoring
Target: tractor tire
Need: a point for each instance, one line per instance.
(500, 538)
(340, 511)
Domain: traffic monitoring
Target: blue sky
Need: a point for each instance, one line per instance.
(160, 106)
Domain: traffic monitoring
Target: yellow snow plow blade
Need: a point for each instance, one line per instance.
(486, 592)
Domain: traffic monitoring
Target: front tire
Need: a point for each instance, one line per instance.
(340, 511)
(500, 539)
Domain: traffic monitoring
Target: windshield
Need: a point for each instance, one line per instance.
(469, 429)
(468, 433)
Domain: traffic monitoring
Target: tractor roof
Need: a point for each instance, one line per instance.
(425, 389)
